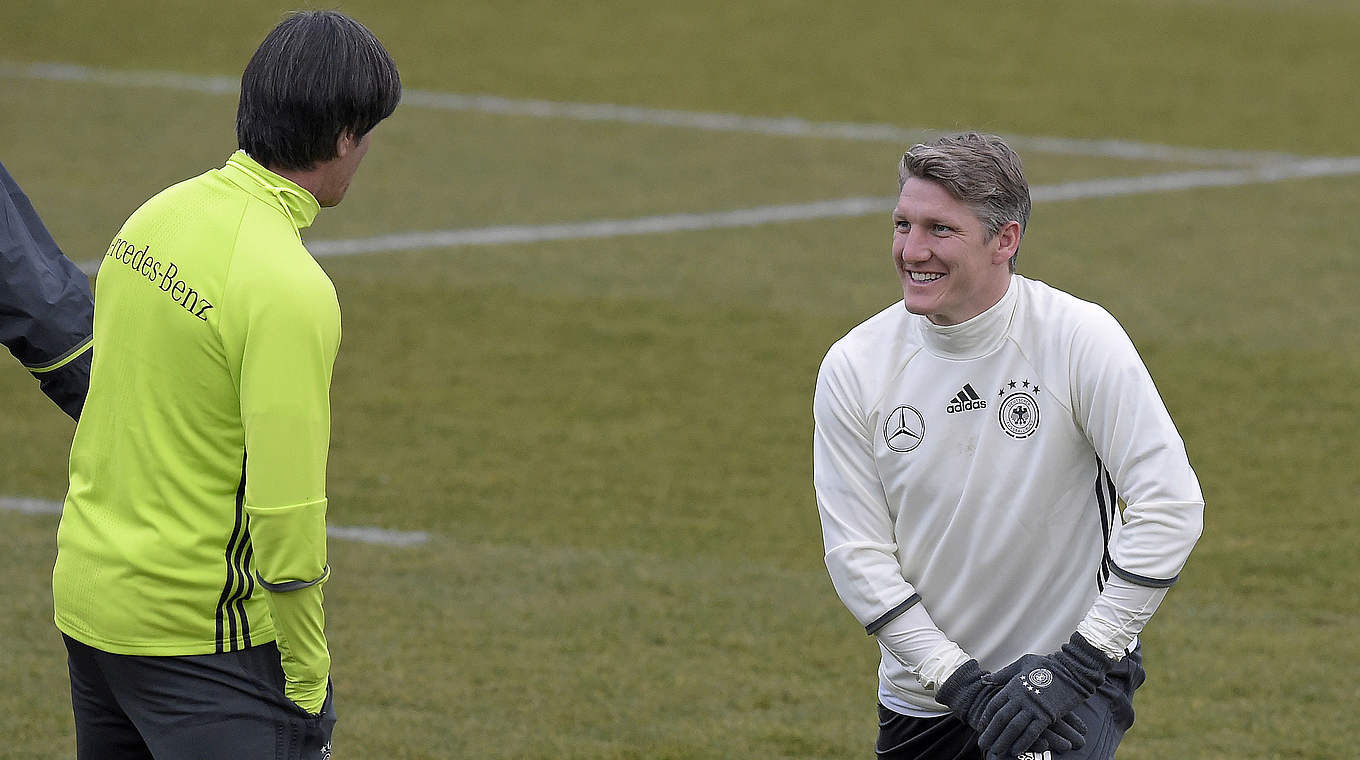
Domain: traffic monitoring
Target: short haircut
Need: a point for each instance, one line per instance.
(316, 76)
(981, 171)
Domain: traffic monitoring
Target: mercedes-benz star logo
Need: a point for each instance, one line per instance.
(904, 429)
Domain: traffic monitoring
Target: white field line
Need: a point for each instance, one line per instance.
(602, 228)
(801, 212)
(380, 536)
(1254, 167)
(660, 117)
(846, 207)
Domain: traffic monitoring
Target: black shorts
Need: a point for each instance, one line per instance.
(1108, 714)
(206, 707)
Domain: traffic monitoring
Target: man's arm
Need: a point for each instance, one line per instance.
(46, 310)
(288, 336)
(857, 529)
(861, 547)
(1118, 406)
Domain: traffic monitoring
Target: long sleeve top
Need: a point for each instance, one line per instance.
(195, 518)
(977, 470)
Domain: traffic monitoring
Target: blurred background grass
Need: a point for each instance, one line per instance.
(609, 439)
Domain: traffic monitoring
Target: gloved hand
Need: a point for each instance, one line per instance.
(1040, 692)
(970, 689)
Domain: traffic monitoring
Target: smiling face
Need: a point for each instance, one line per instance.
(951, 269)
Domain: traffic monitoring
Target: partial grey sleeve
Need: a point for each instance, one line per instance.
(46, 308)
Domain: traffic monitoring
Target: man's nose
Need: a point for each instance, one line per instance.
(914, 246)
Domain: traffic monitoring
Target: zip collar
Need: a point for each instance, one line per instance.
(289, 197)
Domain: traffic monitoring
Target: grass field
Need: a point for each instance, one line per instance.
(607, 439)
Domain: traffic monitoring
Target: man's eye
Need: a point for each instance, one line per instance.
(902, 225)
(943, 229)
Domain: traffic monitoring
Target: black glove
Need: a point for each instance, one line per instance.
(970, 689)
(1039, 693)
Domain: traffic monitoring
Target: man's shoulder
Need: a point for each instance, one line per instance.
(870, 352)
(280, 269)
(889, 326)
(1066, 335)
(1040, 296)
(1052, 312)
(198, 200)
(191, 225)
(269, 250)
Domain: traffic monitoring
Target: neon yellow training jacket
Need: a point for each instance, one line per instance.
(196, 516)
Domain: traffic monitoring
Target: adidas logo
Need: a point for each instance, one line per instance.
(966, 401)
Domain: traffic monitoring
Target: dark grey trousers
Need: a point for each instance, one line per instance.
(195, 707)
(1107, 714)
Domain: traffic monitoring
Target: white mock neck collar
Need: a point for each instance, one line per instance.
(975, 337)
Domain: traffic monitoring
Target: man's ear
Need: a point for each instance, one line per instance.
(345, 143)
(1007, 242)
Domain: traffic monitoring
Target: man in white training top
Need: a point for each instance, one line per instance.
(971, 448)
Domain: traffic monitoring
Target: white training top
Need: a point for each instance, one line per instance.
(974, 469)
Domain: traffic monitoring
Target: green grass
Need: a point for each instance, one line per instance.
(1260, 75)
(609, 440)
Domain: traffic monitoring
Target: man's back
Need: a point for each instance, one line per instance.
(154, 552)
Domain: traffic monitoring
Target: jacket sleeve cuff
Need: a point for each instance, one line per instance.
(289, 543)
(300, 633)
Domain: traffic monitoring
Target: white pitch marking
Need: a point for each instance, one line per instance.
(796, 127)
(381, 536)
(378, 535)
(660, 117)
(1258, 167)
(597, 229)
(29, 506)
(1159, 183)
(846, 207)
(799, 212)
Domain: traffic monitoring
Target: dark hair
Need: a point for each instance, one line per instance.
(980, 170)
(316, 76)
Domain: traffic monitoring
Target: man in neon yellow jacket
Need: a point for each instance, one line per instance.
(192, 546)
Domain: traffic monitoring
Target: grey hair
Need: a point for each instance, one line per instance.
(981, 171)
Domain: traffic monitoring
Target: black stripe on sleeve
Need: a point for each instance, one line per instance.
(1114, 495)
(888, 616)
(1143, 580)
(226, 615)
(226, 622)
(241, 562)
(249, 588)
(1106, 510)
(279, 588)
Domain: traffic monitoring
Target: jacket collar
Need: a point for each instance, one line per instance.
(289, 197)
